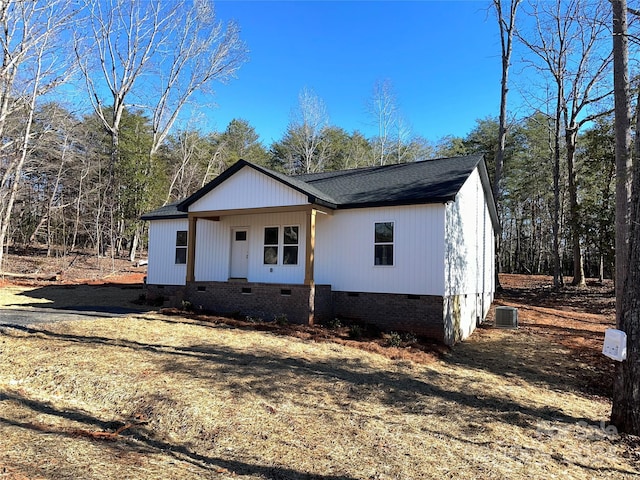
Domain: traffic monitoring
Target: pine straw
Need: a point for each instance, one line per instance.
(190, 399)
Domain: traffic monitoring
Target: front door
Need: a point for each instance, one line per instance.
(239, 253)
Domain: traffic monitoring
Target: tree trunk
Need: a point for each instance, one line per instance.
(571, 135)
(134, 244)
(625, 412)
(507, 30)
(557, 264)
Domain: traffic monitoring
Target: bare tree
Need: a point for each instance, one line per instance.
(507, 25)
(205, 51)
(569, 44)
(383, 109)
(178, 49)
(31, 66)
(193, 160)
(305, 133)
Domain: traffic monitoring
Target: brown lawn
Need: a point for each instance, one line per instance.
(171, 397)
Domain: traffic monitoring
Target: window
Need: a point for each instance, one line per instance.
(383, 243)
(290, 248)
(271, 235)
(181, 247)
(289, 242)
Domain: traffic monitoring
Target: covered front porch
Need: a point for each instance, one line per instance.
(233, 267)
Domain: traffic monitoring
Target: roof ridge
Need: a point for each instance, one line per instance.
(381, 167)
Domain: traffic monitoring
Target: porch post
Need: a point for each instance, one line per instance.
(311, 247)
(308, 269)
(191, 248)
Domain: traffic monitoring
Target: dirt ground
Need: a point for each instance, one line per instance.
(573, 317)
(31, 266)
(175, 395)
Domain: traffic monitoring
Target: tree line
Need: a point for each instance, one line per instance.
(64, 186)
(81, 180)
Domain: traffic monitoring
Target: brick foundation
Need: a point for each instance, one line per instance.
(264, 300)
(173, 294)
(420, 314)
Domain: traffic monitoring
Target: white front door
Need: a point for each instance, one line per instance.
(239, 253)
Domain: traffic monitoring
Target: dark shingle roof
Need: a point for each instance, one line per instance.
(165, 212)
(428, 181)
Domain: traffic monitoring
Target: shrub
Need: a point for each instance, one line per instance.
(355, 332)
(394, 339)
(281, 319)
(409, 338)
(334, 323)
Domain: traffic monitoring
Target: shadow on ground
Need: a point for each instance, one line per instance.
(140, 441)
(109, 298)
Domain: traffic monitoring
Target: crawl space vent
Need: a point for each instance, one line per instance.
(506, 317)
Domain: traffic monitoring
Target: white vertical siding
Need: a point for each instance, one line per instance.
(469, 241)
(162, 269)
(213, 248)
(345, 250)
(248, 189)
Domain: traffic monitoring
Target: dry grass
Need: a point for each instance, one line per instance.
(193, 399)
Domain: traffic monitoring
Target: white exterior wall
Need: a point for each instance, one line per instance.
(344, 255)
(469, 241)
(248, 188)
(469, 259)
(213, 248)
(162, 269)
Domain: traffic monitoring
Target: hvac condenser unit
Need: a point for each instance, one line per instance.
(506, 317)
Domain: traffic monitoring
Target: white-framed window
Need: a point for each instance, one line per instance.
(271, 242)
(383, 243)
(181, 247)
(290, 242)
(283, 248)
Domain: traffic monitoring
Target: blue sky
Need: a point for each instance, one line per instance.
(442, 57)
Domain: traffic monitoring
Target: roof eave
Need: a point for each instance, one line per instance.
(396, 203)
(164, 217)
(491, 204)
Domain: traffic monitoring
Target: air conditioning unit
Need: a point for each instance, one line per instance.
(506, 317)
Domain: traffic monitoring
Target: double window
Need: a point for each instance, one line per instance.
(288, 244)
(181, 247)
(383, 244)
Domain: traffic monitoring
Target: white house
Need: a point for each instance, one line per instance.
(405, 247)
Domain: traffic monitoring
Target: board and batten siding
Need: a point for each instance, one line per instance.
(213, 248)
(162, 269)
(248, 189)
(344, 255)
(469, 264)
(469, 241)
